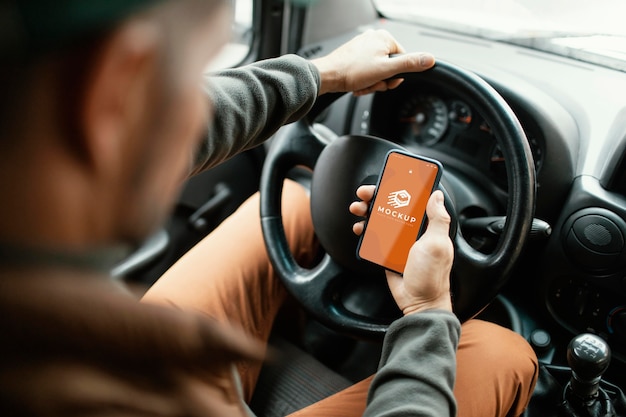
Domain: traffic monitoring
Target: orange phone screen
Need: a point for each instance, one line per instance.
(398, 209)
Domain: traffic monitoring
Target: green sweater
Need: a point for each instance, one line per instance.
(417, 369)
(251, 103)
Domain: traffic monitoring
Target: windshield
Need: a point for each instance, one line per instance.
(592, 31)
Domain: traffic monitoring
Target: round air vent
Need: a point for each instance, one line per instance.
(594, 238)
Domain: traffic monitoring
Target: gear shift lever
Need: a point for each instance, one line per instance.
(588, 356)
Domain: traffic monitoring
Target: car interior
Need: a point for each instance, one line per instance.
(530, 128)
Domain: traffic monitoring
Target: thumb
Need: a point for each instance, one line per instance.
(438, 217)
(413, 62)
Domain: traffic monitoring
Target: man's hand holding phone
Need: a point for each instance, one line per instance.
(397, 214)
(425, 284)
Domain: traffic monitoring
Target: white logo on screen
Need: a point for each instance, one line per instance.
(399, 199)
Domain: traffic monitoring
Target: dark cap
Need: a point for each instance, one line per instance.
(32, 26)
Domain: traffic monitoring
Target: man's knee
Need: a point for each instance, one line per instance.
(497, 343)
(295, 202)
(297, 222)
(496, 360)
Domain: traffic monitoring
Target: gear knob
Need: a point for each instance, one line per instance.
(589, 357)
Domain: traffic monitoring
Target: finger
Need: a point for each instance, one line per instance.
(400, 49)
(438, 217)
(366, 192)
(394, 83)
(392, 44)
(413, 62)
(358, 228)
(379, 86)
(359, 208)
(391, 67)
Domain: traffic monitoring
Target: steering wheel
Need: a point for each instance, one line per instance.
(340, 166)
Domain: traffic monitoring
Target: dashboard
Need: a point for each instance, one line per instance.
(427, 117)
(574, 117)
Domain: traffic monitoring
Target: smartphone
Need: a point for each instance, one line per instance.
(397, 213)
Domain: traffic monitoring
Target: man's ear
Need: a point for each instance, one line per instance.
(116, 94)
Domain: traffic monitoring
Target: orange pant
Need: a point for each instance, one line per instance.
(228, 276)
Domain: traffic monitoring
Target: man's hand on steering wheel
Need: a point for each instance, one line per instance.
(363, 65)
(425, 283)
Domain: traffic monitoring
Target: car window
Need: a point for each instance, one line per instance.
(236, 51)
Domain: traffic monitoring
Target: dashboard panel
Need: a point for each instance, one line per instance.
(426, 117)
(575, 120)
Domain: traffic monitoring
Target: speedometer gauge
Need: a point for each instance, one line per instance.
(497, 161)
(460, 114)
(425, 118)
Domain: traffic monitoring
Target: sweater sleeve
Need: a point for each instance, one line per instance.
(252, 102)
(417, 369)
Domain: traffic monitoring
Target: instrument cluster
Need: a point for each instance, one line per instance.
(432, 119)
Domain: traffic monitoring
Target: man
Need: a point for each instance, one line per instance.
(100, 119)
